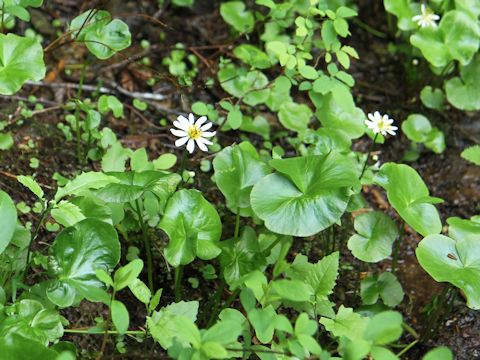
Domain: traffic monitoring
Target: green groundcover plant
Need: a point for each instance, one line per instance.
(302, 186)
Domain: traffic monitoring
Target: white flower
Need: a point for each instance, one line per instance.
(190, 132)
(380, 124)
(426, 18)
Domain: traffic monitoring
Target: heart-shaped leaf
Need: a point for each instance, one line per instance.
(234, 13)
(386, 286)
(409, 195)
(453, 261)
(193, 227)
(295, 117)
(462, 92)
(376, 233)
(21, 59)
(313, 190)
(457, 37)
(8, 220)
(237, 169)
(75, 255)
(102, 35)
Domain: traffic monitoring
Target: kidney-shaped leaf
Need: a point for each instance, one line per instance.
(306, 194)
(102, 35)
(462, 92)
(75, 255)
(454, 261)
(21, 59)
(193, 227)
(409, 195)
(237, 169)
(8, 220)
(376, 233)
(456, 38)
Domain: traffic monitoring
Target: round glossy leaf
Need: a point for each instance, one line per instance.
(19, 348)
(237, 169)
(376, 233)
(440, 353)
(463, 92)
(305, 195)
(21, 59)
(252, 56)
(457, 37)
(8, 220)
(193, 227)
(432, 98)
(404, 10)
(234, 13)
(386, 286)
(409, 195)
(295, 116)
(453, 261)
(460, 229)
(75, 255)
(416, 127)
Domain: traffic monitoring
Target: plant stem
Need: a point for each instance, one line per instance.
(368, 156)
(441, 306)
(110, 332)
(369, 29)
(148, 246)
(217, 297)
(396, 249)
(182, 166)
(412, 344)
(237, 224)
(178, 282)
(34, 237)
(77, 112)
(410, 330)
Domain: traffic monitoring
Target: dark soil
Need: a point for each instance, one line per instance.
(383, 82)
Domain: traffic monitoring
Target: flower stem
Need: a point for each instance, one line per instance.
(368, 156)
(178, 282)
(182, 166)
(34, 237)
(396, 249)
(148, 246)
(408, 347)
(77, 112)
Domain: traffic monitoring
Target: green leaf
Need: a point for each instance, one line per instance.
(6, 141)
(84, 181)
(346, 323)
(313, 190)
(252, 56)
(21, 59)
(165, 162)
(67, 214)
(295, 117)
(263, 321)
(8, 220)
(456, 38)
(417, 128)
(386, 286)
(126, 274)
(462, 92)
(108, 103)
(162, 326)
(248, 85)
(32, 185)
(19, 348)
(404, 10)
(75, 255)
(432, 98)
(115, 158)
(237, 169)
(472, 154)
(376, 233)
(140, 290)
(409, 195)
(440, 353)
(323, 275)
(193, 226)
(292, 290)
(460, 229)
(31, 320)
(453, 261)
(384, 328)
(234, 13)
(240, 257)
(120, 317)
(103, 36)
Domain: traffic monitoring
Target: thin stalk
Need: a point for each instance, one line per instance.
(408, 347)
(410, 330)
(34, 237)
(237, 224)
(77, 111)
(441, 306)
(148, 246)
(217, 298)
(396, 249)
(369, 29)
(106, 331)
(368, 156)
(178, 282)
(110, 332)
(182, 166)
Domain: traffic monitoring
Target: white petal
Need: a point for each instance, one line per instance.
(181, 125)
(377, 116)
(208, 134)
(183, 120)
(371, 117)
(417, 18)
(200, 121)
(181, 141)
(435, 17)
(384, 133)
(191, 118)
(201, 145)
(190, 146)
(389, 121)
(206, 126)
(424, 8)
(205, 141)
(385, 118)
(393, 128)
(179, 133)
(391, 132)
(370, 124)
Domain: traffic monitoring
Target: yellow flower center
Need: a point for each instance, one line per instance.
(194, 132)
